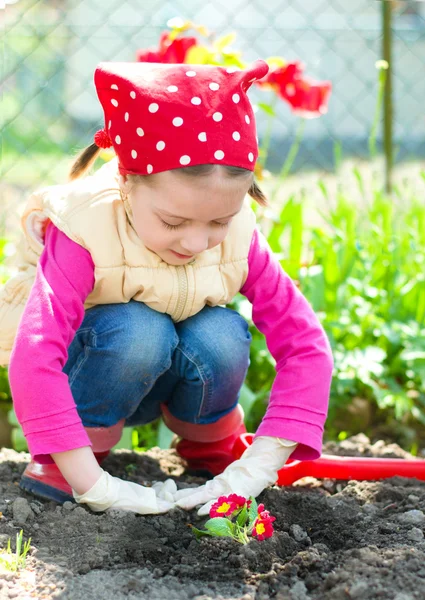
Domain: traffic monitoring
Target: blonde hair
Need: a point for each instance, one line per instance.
(87, 157)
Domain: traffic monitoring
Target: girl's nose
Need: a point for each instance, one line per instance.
(195, 244)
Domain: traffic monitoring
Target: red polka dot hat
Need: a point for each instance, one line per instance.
(167, 116)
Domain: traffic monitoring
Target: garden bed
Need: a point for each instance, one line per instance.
(333, 540)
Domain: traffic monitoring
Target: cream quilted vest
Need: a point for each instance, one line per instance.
(92, 212)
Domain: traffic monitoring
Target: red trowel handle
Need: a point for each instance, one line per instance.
(340, 467)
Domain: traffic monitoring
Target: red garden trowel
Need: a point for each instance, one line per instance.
(340, 467)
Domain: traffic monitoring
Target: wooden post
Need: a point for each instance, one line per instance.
(387, 6)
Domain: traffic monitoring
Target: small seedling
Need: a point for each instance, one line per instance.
(238, 518)
(17, 560)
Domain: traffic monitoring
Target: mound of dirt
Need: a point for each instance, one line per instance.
(333, 540)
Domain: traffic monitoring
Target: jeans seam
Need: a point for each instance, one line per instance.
(206, 388)
(164, 370)
(85, 357)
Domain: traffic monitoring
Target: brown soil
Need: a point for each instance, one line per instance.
(333, 540)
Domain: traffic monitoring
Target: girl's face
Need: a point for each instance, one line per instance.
(179, 216)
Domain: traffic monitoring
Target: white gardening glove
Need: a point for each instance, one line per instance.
(249, 476)
(113, 493)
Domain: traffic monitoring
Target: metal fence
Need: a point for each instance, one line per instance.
(49, 107)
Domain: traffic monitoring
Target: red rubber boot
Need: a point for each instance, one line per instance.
(207, 448)
(204, 458)
(47, 482)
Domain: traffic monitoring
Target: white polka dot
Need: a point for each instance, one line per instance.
(219, 154)
(177, 121)
(153, 107)
(231, 69)
(250, 156)
(117, 139)
(214, 87)
(160, 145)
(172, 88)
(140, 131)
(191, 73)
(217, 116)
(149, 169)
(114, 102)
(184, 160)
(114, 86)
(236, 136)
(195, 100)
(133, 94)
(133, 154)
(236, 98)
(247, 119)
(202, 137)
(126, 117)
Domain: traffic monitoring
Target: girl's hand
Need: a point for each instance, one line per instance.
(113, 493)
(249, 476)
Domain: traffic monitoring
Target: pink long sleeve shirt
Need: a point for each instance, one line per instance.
(42, 396)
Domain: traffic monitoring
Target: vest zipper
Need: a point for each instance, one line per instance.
(183, 292)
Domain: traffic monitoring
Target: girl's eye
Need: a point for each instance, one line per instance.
(168, 226)
(221, 224)
(173, 227)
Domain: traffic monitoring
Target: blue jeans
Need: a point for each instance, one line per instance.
(127, 359)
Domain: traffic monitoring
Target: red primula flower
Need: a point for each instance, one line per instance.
(264, 514)
(240, 501)
(224, 507)
(169, 51)
(263, 527)
(306, 97)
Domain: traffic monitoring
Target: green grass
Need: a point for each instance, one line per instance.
(15, 561)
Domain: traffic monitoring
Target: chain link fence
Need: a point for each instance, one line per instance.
(49, 109)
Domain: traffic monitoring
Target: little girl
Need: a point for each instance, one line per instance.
(117, 315)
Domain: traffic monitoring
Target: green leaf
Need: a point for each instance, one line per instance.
(199, 55)
(220, 526)
(253, 511)
(267, 108)
(276, 61)
(242, 516)
(225, 41)
(199, 532)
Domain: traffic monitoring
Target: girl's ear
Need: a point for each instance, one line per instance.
(124, 184)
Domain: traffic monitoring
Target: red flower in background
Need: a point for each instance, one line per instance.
(306, 97)
(279, 77)
(171, 51)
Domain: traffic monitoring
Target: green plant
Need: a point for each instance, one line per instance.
(238, 518)
(363, 272)
(19, 442)
(14, 561)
